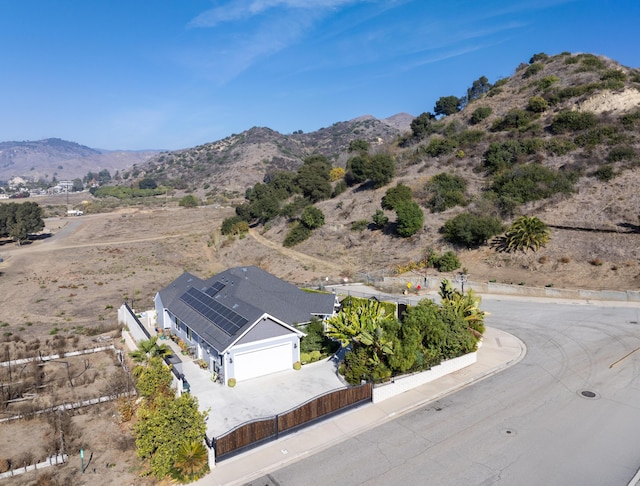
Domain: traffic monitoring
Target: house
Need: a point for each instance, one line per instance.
(242, 322)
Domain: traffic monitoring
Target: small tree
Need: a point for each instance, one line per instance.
(410, 218)
(526, 233)
(396, 195)
(380, 219)
(469, 230)
(188, 201)
(447, 105)
(312, 217)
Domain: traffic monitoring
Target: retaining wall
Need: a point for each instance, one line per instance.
(405, 383)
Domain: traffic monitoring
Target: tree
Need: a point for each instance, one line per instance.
(77, 185)
(381, 170)
(149, 348)
(410, 218)
(188, 201)
(154, 378)
(396, 195)
(313, 178)
(357, 169)
(359, 145)
(165, 424)
(480, 114)
(526, 233)
(421, 126)
(479, 87)
(312, 217)
(470, 230)
(147, 183)
(362, 325)
(191, 462)
(380, 219)
(447, 105)
(447, 191)
(537, 104)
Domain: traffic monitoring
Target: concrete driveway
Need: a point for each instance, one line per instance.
(259, 397)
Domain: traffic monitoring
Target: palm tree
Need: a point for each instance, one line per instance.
(192, 461)
(362, 324)
(464, 305)
(149, 348)
(526, 233)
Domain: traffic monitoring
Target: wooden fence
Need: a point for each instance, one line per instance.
(257, 432)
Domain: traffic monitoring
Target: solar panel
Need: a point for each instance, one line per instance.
(204, 304)
(214, 289)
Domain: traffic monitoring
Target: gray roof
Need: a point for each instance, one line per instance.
(223, 307)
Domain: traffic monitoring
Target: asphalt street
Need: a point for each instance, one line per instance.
(568, 413)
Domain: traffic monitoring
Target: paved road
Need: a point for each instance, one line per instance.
(528, 425)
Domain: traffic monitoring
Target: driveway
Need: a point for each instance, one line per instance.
(259, 397)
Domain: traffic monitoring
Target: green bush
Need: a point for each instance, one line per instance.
(396, 195)
(471, 230)
(359, 225)
(446, 191)
(573, 121)
(532, 70)
(231, 382)
(548, 81)
(297, 365)
(514, 119)
(501, 155)
(541, 56)
(448, 262)
(315, 355)
(380, 219)
(537, 104)
(613, 74)
(305, 358)
(229, 223)
(559, 146)
(479, 114)
(297, 234)
(410, 218)
(439, 146)
(604, 173)
(531, 182)
(617, 154)
(312, 217)
(339, 188)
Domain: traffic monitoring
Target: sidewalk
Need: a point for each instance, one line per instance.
(499, 351)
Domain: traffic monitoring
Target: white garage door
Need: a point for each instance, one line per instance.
(262, 361)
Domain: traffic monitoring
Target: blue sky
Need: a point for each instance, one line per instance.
(136, 74)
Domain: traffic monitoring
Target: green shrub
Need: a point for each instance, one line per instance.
(537, 104)
(471, 230)
(617, 154)
(559, 146)
(439, 146)
(446, 191)
(315, 355)
(380, 219)
(532, 70)
(541, 56)
(448, 262)
(604, 173)
(229, 223)
(501, 155)
(546, 82)
(297, 365)
(630, 119)
(339, 188)
(305, 358)
(514, 119)
(231, 382)
(573, 121)
(359, 225)
(410, 218)
(479, 114)
(188, 201)
(613, 74)
(395, 195)
(312, 217)
(531, 182)
(297, 234)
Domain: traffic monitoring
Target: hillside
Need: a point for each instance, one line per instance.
(234, 163)
(44, 159)
(559, 140)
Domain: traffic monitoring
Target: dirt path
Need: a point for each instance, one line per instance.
(295, 255)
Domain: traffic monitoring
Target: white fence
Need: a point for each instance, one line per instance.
(51, 461)
(405, 383)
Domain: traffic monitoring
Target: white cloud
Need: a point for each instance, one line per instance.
(243, 9)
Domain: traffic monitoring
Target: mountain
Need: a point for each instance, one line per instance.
(240, 160)
(52, 157)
